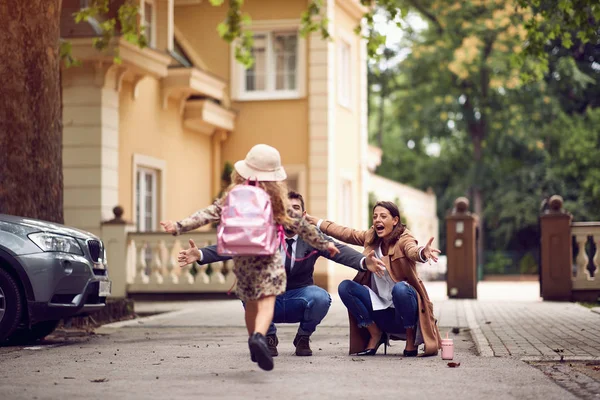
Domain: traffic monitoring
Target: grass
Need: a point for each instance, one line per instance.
(588, 304)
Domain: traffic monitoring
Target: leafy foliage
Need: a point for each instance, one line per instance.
(125, 25)
(468, 85)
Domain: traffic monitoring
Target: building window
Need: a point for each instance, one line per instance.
(344, 74)
(275, 63)
(278, 69)
(146, 195)
(345, 211)
(150, 22)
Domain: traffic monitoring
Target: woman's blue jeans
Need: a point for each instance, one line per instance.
(395, 319)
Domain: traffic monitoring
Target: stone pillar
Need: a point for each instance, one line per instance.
(114, 236)
(461, 251)
(321, 133)
(90, 143)
(556, 252)
(217, 153)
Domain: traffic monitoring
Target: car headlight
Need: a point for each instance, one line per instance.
(54, 242)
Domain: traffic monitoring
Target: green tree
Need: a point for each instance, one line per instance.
(514, 141)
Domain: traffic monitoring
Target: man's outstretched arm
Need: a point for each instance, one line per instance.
(209, 255)
(347, 256)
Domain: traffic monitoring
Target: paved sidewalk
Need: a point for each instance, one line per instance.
(200, 351)
(513, 321)
(507, 319)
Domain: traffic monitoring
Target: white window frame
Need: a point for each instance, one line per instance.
(238, 72)
(344, 74)
(147, 164)
(140, 196)
(152, 3)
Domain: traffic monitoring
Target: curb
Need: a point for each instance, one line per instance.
(114, 326)
(481, 343)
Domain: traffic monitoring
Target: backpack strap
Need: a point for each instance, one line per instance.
(281, 243)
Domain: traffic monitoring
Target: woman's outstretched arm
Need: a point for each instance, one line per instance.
(311, 234)
(339, 232)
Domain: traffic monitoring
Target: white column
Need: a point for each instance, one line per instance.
(90, 144)
(321, 135)
(165, 24)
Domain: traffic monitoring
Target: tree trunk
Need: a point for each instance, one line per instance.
(31, 180)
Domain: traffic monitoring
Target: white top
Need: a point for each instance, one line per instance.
(381, 294)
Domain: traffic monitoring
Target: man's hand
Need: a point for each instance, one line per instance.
(169, 226)
(430, 252)
(332, 249)
(374, 264)
(188, 256)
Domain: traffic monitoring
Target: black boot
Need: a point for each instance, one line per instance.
(259, 349)
(272, 342)
(302, 343)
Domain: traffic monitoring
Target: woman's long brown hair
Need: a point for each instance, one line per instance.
(373, 239)
(277, 191)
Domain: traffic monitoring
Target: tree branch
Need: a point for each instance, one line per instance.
(427, 14)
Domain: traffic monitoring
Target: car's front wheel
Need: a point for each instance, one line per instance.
(37, 332)
(11, 305)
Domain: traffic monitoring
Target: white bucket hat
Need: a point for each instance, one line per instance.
(262, 162)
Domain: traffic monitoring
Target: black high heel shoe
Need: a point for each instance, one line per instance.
(411, 353)
(371, 352)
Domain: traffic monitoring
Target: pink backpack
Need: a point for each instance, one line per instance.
(247, 227)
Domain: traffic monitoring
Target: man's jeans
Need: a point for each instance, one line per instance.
(307, 305)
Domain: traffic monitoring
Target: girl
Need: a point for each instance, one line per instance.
(259, 278)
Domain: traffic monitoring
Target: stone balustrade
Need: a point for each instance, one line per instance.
(587, 238)
(146, 262)
(152, 265)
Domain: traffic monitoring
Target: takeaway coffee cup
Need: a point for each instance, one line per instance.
(447, 349)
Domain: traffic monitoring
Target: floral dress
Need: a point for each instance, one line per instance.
(257, 276)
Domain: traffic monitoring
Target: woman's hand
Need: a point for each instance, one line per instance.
(332, 249)
(169, 226)
(430, 252)
(310, 219)
(374, 264)
(188, 256)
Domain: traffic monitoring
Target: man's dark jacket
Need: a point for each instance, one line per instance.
(302, 271)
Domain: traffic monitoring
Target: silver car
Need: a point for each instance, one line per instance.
(47, 272)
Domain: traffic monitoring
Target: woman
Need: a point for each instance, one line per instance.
(260, 277)
(391, 302)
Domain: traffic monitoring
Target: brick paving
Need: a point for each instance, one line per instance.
(539, 329)
(513, 321)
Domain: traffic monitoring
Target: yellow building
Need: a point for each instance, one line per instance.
(153, 133)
